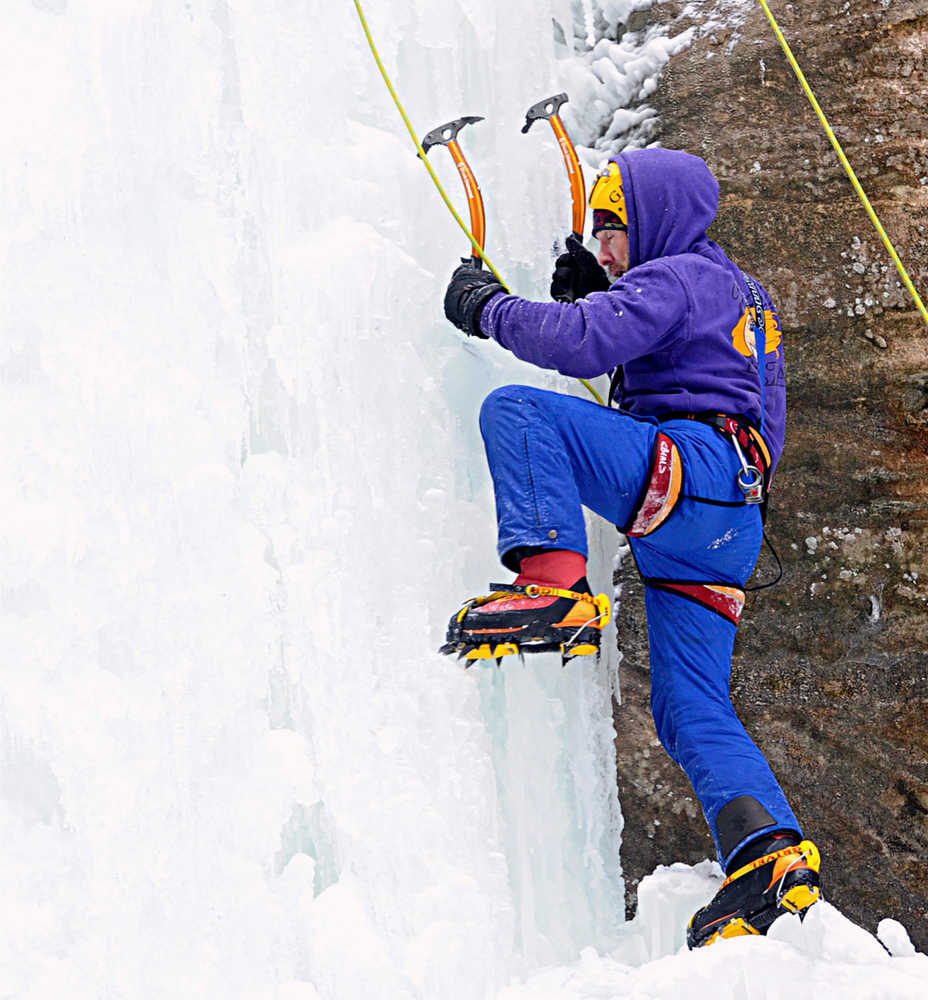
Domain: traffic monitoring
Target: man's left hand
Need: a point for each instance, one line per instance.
(468, 292)
(577, 273)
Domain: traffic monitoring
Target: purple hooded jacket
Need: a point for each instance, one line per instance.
(676, 320)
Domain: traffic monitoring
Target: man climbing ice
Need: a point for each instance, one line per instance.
(681, 467)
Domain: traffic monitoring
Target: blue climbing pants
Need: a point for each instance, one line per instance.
(550, 455)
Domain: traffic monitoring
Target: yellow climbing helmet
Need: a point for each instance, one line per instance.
(607, 199)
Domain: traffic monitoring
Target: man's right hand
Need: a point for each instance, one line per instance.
(468, 292)
(577, 273)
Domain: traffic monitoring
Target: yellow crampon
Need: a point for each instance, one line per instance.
(800, 898)
(485, 651)
(739, 927)
(576, 634)
(797, 900)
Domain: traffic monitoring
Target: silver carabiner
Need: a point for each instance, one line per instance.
(753, 488)
(750, 478)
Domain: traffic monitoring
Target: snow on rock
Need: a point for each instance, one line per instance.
(609, 81)
(895, 938)
(825, 954)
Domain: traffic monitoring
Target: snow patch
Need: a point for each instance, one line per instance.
(825, 953)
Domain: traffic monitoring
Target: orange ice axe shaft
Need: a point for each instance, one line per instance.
(548, 108)
(447, 135)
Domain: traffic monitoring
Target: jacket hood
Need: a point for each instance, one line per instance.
(672, 198)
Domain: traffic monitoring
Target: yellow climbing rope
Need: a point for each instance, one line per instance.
(844, 161)
(422, 156)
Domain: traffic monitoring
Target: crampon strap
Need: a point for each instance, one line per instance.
(535, 590)
(501, 591)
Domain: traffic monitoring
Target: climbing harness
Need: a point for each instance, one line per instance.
(753, 478)
(725, 600)
(661, 491)
(845, 162)
(548, 109)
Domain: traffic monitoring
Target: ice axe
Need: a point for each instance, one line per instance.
(548, 108)
(447, 135)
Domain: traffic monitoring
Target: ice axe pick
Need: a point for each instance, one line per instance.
(548, 108)
(447, 135)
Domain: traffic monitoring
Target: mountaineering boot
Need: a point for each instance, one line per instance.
(529, 618)
(753, 896)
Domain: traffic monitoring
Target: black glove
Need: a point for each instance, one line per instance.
(469, 291)
(577, 273)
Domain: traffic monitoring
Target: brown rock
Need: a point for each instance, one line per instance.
(831, 666)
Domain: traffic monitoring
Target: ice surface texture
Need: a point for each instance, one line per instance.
(243, 489)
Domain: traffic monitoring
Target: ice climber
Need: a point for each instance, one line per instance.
(680, 466)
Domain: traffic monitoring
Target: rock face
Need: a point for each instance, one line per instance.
(831, 666)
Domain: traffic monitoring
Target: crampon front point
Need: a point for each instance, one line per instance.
(530, 618)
